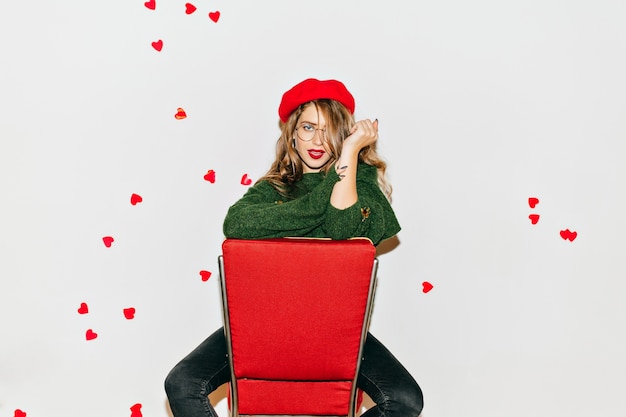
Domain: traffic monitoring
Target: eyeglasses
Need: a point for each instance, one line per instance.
(306, 132)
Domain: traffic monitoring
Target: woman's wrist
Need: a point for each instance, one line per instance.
(349, 150)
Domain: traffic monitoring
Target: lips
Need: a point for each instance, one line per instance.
(316, 153)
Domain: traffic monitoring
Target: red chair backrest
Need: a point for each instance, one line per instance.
(296, 312)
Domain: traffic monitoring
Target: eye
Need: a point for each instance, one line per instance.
(307, 127)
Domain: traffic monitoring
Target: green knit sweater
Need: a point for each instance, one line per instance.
(264, 213)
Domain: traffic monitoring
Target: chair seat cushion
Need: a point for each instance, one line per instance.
(289, 397)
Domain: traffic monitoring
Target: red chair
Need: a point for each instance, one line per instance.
(296, 314)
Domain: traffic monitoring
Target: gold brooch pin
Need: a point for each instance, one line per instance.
(365, 213)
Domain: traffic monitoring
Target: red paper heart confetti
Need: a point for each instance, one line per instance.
(210, 176)
(205, 275)
(158, 45)
(83, 309)
(568, 235)
(426, 287)
(214, 16)
(189, 8)
(19, 413)
(90, 334)
(533, 201)
(245, 180)
(129, 313)
(534, 218)
(150, 4)
(135, 198)
(108, 240)
(136, 411)
(180, 114)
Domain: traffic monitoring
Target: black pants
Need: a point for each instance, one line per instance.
(381, 376)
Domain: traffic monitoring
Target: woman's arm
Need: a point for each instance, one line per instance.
(370, 216)
(362, 134)
(261, 212)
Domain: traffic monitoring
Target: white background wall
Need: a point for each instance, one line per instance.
(481, 104)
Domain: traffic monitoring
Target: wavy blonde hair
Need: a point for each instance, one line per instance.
(287, 168)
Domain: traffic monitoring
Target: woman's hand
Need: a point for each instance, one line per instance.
(362, 134)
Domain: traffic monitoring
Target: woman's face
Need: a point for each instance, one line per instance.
(310, 142)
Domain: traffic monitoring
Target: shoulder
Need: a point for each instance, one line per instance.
(261, 191)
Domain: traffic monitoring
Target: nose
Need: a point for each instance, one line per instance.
(318, 137)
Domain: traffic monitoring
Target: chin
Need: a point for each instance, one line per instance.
(315, 166)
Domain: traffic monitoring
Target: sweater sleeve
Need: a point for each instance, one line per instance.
(261, 213)
(371, 216)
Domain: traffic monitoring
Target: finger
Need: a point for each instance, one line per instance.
(372, 127)
(367, 126)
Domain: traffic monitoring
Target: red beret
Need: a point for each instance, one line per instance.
(312, 89)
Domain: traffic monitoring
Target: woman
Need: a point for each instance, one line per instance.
(327, 181)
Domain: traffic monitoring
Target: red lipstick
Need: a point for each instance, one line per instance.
(316, 153)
